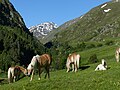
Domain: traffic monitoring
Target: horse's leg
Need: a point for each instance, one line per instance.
(40, 71)
(47, 72)
(97, 68)
(14, 77)
(68, 67)
(32, 75)
(72, 67)
(75, 64)
(117, 57)
(78, 59)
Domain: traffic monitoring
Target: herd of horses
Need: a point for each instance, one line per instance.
(44, 61)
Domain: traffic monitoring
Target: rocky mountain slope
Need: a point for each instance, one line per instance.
(42, 29)
(9, 16)
(99, 23)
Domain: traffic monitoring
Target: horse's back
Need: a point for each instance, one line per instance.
(45, 59)
(73, 56)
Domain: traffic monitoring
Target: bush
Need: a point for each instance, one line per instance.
(90, 46)
(99, 45)
(93, 59)
(109, 42)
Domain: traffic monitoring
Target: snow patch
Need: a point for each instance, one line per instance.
(107, 10)
(103, 5)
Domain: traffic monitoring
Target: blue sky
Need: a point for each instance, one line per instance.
(58, 11)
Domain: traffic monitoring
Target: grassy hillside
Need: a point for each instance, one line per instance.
(85, 79)
(96, 25)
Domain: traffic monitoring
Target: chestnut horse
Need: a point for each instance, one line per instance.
(14, 72)
(74, 60)
(38, 62)
(117, 53)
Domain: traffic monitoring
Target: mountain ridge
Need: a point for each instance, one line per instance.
(99, 23)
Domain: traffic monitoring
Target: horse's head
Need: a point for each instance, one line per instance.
(25, 72)
(29, 69)
(104, 63)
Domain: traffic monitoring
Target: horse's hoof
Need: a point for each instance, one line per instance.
(39, 78)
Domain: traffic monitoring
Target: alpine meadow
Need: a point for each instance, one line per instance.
(94, 36)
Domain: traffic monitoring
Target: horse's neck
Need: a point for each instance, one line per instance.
(21, 68)
(34, 62)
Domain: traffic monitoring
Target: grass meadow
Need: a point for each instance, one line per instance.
(85, 79)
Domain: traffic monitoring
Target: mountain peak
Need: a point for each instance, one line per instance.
(42, 29)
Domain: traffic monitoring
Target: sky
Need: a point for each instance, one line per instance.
(35, 12)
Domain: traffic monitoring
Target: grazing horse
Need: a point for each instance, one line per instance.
(14, 72)
(38, 62)
(102, 66)
(117, 53)
(74, 60)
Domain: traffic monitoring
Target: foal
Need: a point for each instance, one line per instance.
(74, 60)
(14, 72)
(102, 66)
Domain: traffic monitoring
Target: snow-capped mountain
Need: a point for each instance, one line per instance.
(42, 29)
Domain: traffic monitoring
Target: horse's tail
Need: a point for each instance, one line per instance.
(50, 58)
(78, 59)
(9, 75)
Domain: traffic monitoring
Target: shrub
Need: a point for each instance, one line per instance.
(93, 59)
(99, 45)
(90, 46)
(109, 42)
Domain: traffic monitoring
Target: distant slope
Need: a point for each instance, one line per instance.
(53, 33)
(96, 25)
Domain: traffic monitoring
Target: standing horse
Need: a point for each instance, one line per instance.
(102, 66)
(38, 62)
(117, 53)
(74, 60)
(14, 72)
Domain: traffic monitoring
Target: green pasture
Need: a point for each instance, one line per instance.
(85, 79)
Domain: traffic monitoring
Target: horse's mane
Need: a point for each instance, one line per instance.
(20, 67)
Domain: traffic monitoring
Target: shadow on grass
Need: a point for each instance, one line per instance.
(84, 67)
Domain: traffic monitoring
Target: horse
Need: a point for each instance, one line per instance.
(39, 62)
(14, 72)
(102, 66)
(117, 52)
(74, 60)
